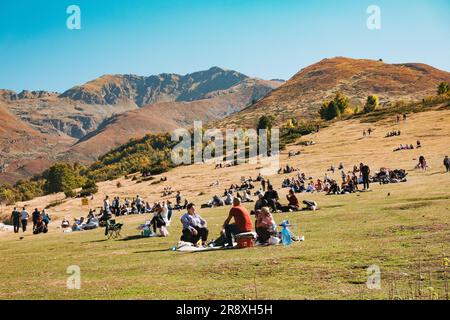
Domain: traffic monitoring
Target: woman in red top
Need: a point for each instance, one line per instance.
(242, 221)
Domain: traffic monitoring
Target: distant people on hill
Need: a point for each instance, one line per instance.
(365, 172)
(447, 163)
(242, 222)
(369, 131)
(404, 147)
(393, 134)
(423, 165)
(15, 218)
(194, 227)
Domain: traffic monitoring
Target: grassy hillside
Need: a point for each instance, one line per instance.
(402, 228)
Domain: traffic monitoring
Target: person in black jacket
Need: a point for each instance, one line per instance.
(365, 171)
(35, 217)
(271, 196)
(447, 163)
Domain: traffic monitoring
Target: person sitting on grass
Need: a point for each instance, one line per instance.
(293, 205)
(242, 222)
(65, 223)
(261, 202)
(40, 227)
(247, 197)
(334, 188)
(265, 225)
(272, 198)
(194, 227)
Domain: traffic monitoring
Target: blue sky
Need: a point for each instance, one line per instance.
(263, 38)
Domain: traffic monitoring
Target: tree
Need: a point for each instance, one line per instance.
(6, 195)
(443, 88)
(335, 108)
(60, 178)
(265, 122)
(371, 104)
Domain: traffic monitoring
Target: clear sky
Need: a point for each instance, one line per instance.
(263, 38)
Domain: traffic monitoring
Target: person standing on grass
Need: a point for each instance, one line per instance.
(35, 217)
(242, 222)
(15, 217)
(447, 163)
(365, 171)
(24, 216)
(194, 227)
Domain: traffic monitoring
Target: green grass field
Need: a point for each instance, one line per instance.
(345, 237)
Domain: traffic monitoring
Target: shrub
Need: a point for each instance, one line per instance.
(372, 104)
(334, 108)
(443, 88)
(89, 188)
(69, 193)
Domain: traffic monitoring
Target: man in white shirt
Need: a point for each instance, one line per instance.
(24, 219)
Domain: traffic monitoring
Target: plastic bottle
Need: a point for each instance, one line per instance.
(286, 236)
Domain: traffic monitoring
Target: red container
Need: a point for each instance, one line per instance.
(244, 243)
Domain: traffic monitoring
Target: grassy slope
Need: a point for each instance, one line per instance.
(347, 235)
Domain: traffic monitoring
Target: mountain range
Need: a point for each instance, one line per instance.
(88, 120)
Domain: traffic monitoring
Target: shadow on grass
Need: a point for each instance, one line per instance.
(152, 251)
(129, 238)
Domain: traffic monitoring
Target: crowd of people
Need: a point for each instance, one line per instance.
(238, 222)
(20, 219)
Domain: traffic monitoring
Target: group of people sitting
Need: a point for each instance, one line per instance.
(271, 200)
(395, 133)
(385, 176)
(91, 222)
(195, 228)
(224, 165)
(286, 170)
(294, 153)
(167, 191)
(408, 147)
